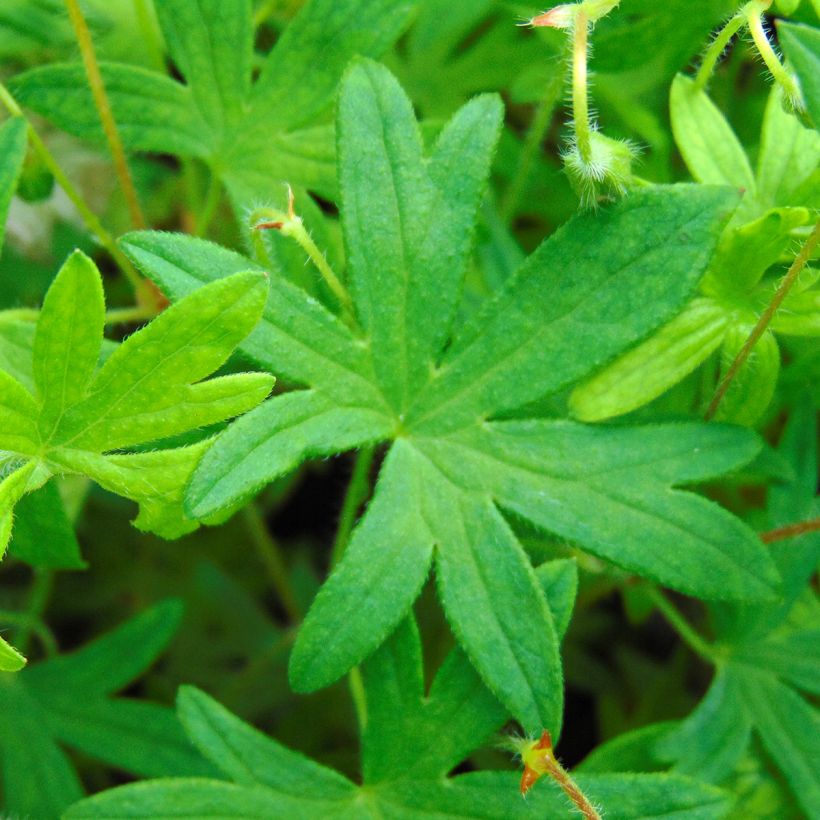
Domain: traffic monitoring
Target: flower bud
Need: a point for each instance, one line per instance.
(607, 171)
(562, 16)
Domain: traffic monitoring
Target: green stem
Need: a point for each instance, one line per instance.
(580, 91)
(36, 627)
(754, 20)
(89, 217)
(357, 490)
(532, 143)
(212, 199)
(716, 48)
(38, 600)
(765, 319)
(288, 224)
(687, 634)
(115, 316)
(357, 693)
(271, 557)
(109, 125)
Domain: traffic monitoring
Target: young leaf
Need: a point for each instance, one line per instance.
(595, 288)
(10, 659)
(64, 700)
(707, 142)
(802, 47)
(148, 389)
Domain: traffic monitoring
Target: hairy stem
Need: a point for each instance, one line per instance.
(754, 20)
(716, 48)
(580, 91)
(268, 551)
(764, 320)
(109, 125)
(88, 216)
(288, 224)
(357, 491)
(539, 760)
(790, 531)
(686, 632)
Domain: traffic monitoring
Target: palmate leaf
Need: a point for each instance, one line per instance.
(596, 287)
(766, 655)
(249, 134)
(411, 742)
(149, 388)
(66, 700)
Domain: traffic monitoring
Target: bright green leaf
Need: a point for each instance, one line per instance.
(802, 47)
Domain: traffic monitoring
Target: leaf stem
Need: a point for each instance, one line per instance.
(208, 211)
(580, 91)
(109, 125)
(532, 142)
(764, 320)
(268, 551)
(357, 490)
(357, 693)
(88, 216)
(686, 632)
(790, 531)
(289, 224)
(38, 600)
(716, 48)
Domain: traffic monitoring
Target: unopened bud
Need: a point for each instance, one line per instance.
(606, 172)
(562, 16)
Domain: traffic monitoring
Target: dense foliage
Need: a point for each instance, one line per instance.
(451, 418)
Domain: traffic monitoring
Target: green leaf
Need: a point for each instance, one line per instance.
(710, 148)
(248, 757)
(12, 487)
(68, 340)
(594, 288)
(747, 251)
(149, 388)
(43, 535)
(618, 501)
(709, 742)
(802, 47)
(64, 701)
(144, 391)
(250, 135)
(787, 172)
(273, 440)
(409, 736)
(752, 388)
(495, 606)
(790, 730)
(18, 417)
(10, 659)
(387, 561)
(647, 371)
(413, 226)
(13, 137)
